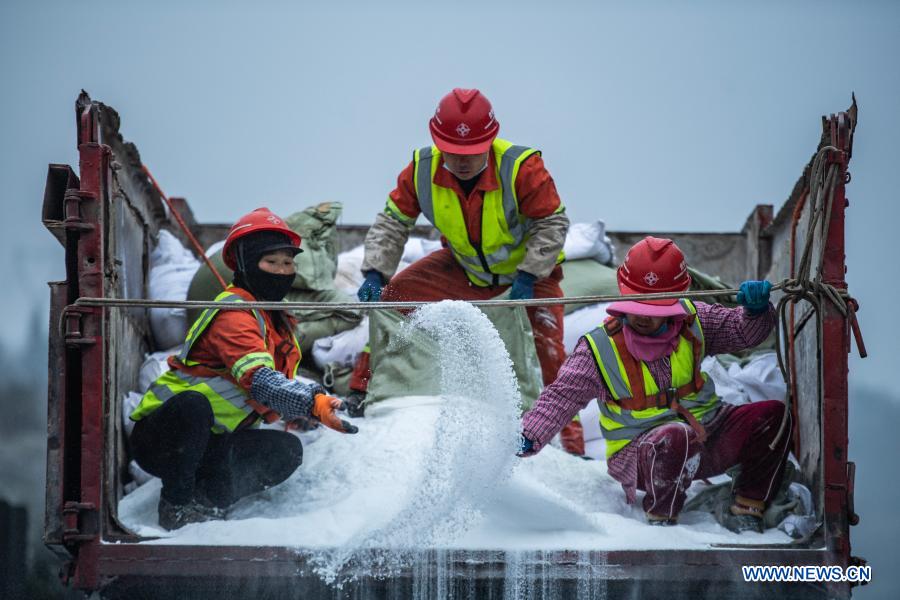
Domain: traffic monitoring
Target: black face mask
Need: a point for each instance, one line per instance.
(266, 286)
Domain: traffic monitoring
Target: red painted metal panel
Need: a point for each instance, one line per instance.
(836, 345)
(88, 207)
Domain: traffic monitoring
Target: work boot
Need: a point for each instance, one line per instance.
(355, 403)
(216, 512)
(740, 517)
(660, 521)
(175, 516)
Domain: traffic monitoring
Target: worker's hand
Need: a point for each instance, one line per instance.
(523, 286)
(370, 290)
(302, 424)
(526, 448)
(754, 296)
(324, 408)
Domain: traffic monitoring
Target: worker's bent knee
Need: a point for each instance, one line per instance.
(289, 456)
(772, 410)
(669, 439)
(294, 453)
(191, 404)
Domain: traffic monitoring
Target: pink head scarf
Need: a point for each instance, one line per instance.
(653, 347)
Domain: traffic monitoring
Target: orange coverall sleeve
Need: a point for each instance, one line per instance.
(536, 190)
(404, 195)
(234, 339)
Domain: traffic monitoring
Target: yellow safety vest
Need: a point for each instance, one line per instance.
(620, 425)
(228, 400)
(504, 230)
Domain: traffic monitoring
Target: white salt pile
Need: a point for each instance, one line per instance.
(438, 472)
(473, 443)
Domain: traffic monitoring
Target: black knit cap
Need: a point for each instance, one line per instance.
(256, 245)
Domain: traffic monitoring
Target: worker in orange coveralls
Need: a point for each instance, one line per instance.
(497, 207)
(195, 426)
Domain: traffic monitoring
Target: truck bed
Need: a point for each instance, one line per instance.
(108, 217)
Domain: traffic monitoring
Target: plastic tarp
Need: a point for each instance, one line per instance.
(317, 264)
(409, 367)
(587, 278)
(791, 509)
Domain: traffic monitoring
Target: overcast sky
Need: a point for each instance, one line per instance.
(665, 116)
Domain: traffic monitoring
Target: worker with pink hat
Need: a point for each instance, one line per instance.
(661, 420)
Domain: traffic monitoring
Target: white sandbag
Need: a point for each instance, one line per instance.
(348, 277)
(215, 247)
(589, 240)
(139, 475)
(417, 248)
(802, 521)
(172, 267)
(129, 403)
(761, 378)
(341, 349)
(757, 379)
(154, 365)
(595, 449)
(580, 322)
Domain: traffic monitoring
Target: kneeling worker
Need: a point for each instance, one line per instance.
(195, 426)
(663, 424)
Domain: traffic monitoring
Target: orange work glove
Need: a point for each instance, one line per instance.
(323, 409)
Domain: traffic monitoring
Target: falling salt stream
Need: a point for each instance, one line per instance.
(471, 458)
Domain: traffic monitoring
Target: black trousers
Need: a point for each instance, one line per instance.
(175, 444)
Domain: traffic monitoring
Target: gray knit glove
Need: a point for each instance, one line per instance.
(288, 397)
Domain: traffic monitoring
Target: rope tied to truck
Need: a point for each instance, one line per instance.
(801, 287)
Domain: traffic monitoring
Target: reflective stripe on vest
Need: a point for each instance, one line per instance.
(227, 400)
(504, 230)
(620, 425)
(207, 316)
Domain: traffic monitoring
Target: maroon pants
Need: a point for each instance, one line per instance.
(666, 459)
(439, 277)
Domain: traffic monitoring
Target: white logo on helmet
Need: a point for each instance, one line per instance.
(463, 130)
(490, 119)
(273, 220)
(651, 278)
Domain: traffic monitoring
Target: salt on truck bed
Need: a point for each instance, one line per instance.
(108, 216)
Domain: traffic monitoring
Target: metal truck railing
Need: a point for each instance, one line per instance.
(108, 217)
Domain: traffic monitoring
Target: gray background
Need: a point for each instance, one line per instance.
(677, 116)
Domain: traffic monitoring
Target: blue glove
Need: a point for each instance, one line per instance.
(370, 290)
(526, 447)
(754, 296)
(523, 286)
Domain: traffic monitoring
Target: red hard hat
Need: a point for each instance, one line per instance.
(261, 219)
(654, 265)
(464, 123)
